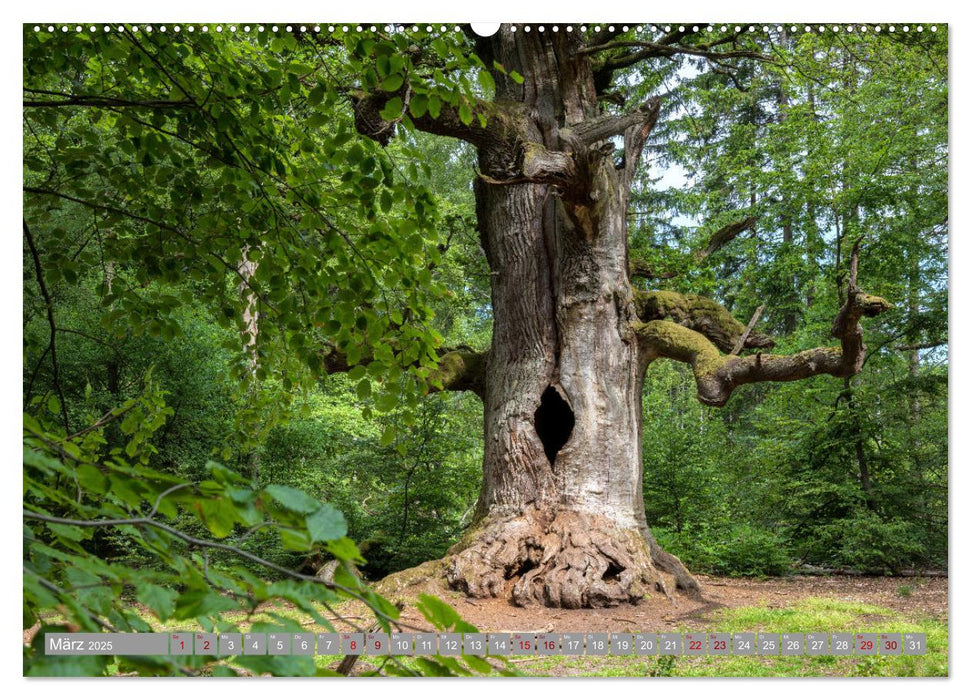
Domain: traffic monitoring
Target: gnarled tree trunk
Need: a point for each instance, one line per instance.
(560, 518)
(562, 512)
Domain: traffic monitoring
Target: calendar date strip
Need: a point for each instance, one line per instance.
(484, 644)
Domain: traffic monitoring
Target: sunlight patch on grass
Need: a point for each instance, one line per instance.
(806, 615)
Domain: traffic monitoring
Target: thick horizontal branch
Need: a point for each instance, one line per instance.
(536, 163)
(717, 375)
(701, 315)
(540, 164)
(458, 369)
(461, 370)
(593, 130)
(369, 122)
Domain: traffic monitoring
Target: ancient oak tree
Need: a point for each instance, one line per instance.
(560, 518)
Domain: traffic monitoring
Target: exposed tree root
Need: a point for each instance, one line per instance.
(563, 559)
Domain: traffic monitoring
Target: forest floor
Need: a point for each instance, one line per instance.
(799, 604)
(911, 597)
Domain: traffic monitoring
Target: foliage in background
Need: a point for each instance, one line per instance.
(845, 136)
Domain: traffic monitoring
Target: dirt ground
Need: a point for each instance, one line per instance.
(928, 597)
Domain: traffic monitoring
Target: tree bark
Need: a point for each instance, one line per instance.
(560, 517)
(561, 511)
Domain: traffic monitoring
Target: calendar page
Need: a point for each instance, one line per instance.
(357, 349)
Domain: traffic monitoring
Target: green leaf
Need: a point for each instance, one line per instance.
(316, 95)
(392, 110)
(434, 106)
(326, 523)
(223, 475)
(465, 113)
(437, 612)
(316, 120)
(392, 82)
(418, 105)
(486, 81)
(364, 388)
(121, 488)
(386, 401)
(195, 603)
(292, 499)
(219, 515)
(477, 664)
(442, 615)
(91, 479)
(382, 605)
(71, 666)
(158, 599)
(344, 548)
(354, 154)
(295, 541)
(68, 533)
(431, 667)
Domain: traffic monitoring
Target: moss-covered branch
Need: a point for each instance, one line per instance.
(701, 314)
(717, 374)
(460, 370)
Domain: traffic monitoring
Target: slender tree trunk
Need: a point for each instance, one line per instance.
(859, 447)
(251, 329)
(789, 319)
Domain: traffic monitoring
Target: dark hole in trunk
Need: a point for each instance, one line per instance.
(613, 572)
(516, 572)
(554, 422)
